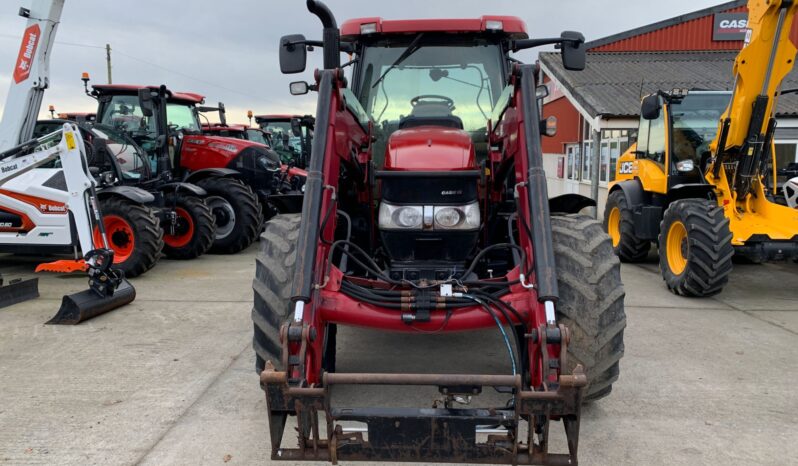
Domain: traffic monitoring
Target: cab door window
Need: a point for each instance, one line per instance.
(656, 139)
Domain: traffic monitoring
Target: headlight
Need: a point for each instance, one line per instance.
(400, 217)
(464, 217)
(685, 166)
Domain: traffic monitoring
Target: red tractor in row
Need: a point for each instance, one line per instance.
(291, 136)
(166, 125)
(426, 211)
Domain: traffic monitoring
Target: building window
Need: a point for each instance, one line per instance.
(572, 162)
(605, 159)
(587, 158)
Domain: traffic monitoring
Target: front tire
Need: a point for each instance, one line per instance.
(695, 250)
(133, 234)
(591, 300)
(194, 230)
(274, 274)
(236, 211)
(619, 225)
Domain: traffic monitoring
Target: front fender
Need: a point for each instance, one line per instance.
(208, 172)
(632, 190)
(570, 203)
(128, 192)
(179, 185)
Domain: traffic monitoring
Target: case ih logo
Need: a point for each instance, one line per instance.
(730, 26)
(26, 53)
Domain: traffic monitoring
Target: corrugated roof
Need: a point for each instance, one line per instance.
(665, 23)
(613, 83)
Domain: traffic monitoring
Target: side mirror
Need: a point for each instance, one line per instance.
(293, 55)
(542, 91)
(650, 107)
(298, 88)
(573, 51)
(145, 102)
(296, 127)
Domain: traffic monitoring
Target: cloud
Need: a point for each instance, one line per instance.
(228, 51)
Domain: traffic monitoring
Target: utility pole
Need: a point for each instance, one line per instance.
(594, 170)
(108, 61)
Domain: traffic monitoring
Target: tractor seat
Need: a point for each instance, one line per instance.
(431, 114)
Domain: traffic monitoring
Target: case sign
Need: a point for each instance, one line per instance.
(730, 26)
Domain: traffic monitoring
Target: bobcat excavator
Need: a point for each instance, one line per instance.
(697, 183)
(47, 194)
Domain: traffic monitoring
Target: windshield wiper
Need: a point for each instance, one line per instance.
(410, 50)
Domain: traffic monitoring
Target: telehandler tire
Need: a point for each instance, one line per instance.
(274, 273)
(196, 228)
(591, 300)
(133, 234)
(695, 250)
(236, 211)
(619, 225)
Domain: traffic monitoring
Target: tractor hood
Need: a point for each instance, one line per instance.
(200, 151)
(430, 148)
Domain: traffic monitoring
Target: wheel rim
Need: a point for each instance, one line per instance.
(120, 235)
(614, 226)
(676, 247)
(224, 216)
(184, 230)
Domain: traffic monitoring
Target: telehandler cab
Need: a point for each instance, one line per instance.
(696, 180)
(426, 210)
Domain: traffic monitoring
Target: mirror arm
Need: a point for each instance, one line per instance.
(346, 47)
(522, 44)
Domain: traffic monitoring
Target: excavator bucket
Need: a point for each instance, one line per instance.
(87, 304)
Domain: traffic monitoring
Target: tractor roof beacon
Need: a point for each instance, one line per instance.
(426, 210)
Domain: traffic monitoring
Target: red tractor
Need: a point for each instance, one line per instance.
(167, 123)
(280, 190)
(291, 136)
(426, 211)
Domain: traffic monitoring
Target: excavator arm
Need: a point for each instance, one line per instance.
(743, 143)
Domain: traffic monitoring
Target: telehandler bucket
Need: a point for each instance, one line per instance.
(87, 304)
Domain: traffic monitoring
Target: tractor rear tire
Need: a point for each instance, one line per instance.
(591, 300)
(236, 211)
(619, 225)
(695, 250)
(133, 234)
(197, 241)
(274, 273)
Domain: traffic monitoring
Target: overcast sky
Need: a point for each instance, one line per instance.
(227, 51)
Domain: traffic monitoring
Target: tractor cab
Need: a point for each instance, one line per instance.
(290, 136)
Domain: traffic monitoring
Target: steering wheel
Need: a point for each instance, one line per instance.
(435, 98)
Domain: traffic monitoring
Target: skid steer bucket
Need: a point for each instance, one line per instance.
(84, 305)
(17, 291)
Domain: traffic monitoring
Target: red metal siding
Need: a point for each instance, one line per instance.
(567, 125)
(690, 35)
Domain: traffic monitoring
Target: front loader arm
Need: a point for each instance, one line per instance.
(746, 128)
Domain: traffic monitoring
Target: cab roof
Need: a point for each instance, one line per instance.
(189, 97)
(274, 117)
(219, 127)
(512, 26)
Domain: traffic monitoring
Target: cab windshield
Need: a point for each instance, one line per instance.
(255, 135)
(182, 117)
(695, 123)
(130, 157)
(429, 80)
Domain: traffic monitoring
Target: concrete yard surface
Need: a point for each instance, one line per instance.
(170, 379)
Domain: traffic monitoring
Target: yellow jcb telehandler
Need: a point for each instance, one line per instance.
(701, 180)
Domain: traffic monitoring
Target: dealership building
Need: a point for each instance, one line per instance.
(693, 51)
